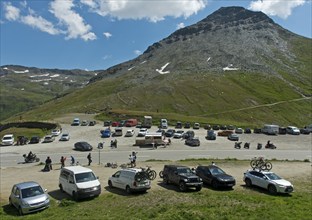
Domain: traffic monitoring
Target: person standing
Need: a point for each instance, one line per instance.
(63, 161)
(89, 159)
(48, 165)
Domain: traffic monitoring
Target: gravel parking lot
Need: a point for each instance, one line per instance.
(14, 170)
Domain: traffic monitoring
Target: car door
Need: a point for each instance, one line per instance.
(116, 181)
(259, 179)
(15, 194)
(174, 176)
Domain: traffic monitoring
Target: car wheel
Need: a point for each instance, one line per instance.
(161, 174)
(272, 189)
(165, 180)
(248, 182)
(198, 188)
(75, 196)
(61, 188)
(215, 184)
(182, 186)
(110, 185)
(128, 190)
(20, 211)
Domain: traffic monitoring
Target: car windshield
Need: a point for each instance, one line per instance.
(84, 177)
(273, 176)
(32, 191)
(216, 171)
(7, 138)
(184, 170)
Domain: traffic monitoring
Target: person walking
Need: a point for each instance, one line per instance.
(72, 160)
(89, 159)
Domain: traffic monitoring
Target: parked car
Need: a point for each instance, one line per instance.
(117, 132)
(48, 139)
(92, 123)
(194, 141)
(187, 125)
(65, 137)
(162, 131)
(142, 132)
(34, 140)
(115, 124)
(107, 123)
(207, 127)
(196, 125)
(178, 125)
(178, 134)
(304, 131)
(7, 140)
(247, 131)
(28, 197)
(169, 133)
(233, 137)
(129, 133)
(55, 132)
(21, 140)
(231, 127)
(215, 176)
(131, 122)
(216, 127)
(223, 127)
(267, 180)
(282, 130)
(84, 123)
(188, 134)
(211, 135)
(163, 123)
(130, 180)
(105, 133)
(292, 130)
(257, 130)
(76, 122)
(225, 133)
(181, 176)
(83, 146)
(122, 123)
(238, 130)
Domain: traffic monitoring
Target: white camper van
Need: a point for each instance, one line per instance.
(148, 121)
(270, 129)
(79, 182)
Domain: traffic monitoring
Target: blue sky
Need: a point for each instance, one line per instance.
(97, 34)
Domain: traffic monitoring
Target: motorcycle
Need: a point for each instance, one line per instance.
(259, 146)
(247, 145)
(31, 159)
(270, 146)
(237, 145)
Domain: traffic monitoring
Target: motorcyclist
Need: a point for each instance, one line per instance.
(30, 155)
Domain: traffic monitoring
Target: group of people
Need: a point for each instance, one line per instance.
(48, 162)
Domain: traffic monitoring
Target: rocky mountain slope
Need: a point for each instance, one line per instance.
(235, 65)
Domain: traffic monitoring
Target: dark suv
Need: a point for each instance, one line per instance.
(181, 176)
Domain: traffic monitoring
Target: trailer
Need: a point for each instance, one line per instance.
(153, 139)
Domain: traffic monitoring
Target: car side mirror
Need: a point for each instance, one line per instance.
(45, 190)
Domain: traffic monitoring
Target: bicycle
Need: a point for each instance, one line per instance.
(261, 163)
(151, 174)
(112, 165)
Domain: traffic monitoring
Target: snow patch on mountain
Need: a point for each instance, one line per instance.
(161, 70)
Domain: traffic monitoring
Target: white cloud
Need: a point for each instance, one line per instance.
(107, 34)
(40, 23)
(106, 57)
(74, 23)
(137, 52)
(280, 8)
(145, 9)
(11, 13)
(180, 25)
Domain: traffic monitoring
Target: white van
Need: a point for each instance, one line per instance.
(79, 182)
(270, 129)
(131, 180)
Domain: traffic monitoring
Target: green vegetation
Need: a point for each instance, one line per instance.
(241, 203)
(27, 132)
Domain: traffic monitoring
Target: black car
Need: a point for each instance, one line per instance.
(247, 131)
(34, 140)
(187, 125)
(107, 123)
(282, 130)
(215, 176)
(83, 146)
(304, 131)
(257, 130)
(181, 176)
(207, 127)
(92, 123)
(178, 125)
(215, 127)
(169, 133)
(223, 127)
(188, 134)
(194, 142)
(211, 135)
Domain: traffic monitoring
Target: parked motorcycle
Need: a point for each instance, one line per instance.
(237, 145)
(270, 146)
(259, 146)
(247, 145)
(31, 159)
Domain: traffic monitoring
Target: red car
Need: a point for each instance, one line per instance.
(115, 124)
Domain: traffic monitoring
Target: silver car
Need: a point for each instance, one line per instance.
(29, 197)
